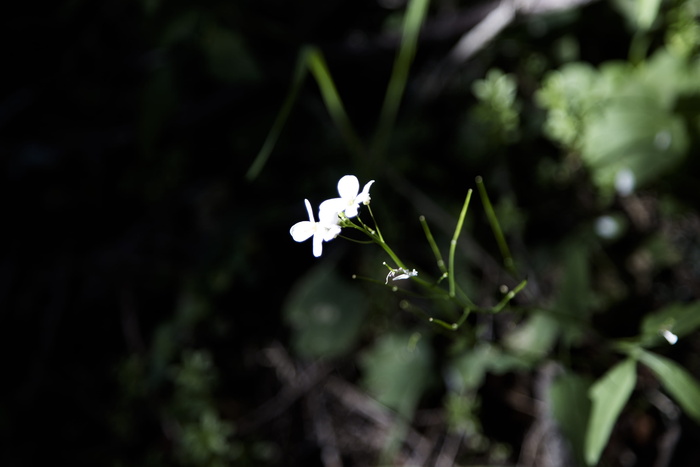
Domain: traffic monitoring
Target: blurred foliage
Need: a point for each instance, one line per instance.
(325, 314)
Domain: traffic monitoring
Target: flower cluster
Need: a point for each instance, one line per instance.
(330, 214)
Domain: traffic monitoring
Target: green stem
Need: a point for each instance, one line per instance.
(453, 243)
(496, 228)
(433, 244)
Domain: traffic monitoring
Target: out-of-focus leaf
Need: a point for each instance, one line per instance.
(397, 370)
(676, 380)
(416, 12)
(571, 408)
(535, 338)
(568, 94)
(576, 297)
(680, 319)
(640, 14)
(467, 371)
(608, 395)
(324, 313)
(635, 134)
(621, 118)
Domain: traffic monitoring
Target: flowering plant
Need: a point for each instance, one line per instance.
(343, 212)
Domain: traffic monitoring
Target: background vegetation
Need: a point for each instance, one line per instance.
(155, 310)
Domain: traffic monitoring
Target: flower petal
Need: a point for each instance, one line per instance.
(331, 207)
(332, 231)
(302, 230)
(348, 187)
(308, 209)
(351, 211)
(363, 198)
(318, 244)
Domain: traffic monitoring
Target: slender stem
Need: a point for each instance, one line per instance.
(509, 296)
(433, 244)
(453, 243)
(496, 228)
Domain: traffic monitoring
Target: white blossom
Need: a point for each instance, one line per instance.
(350, 197)
(325, 229)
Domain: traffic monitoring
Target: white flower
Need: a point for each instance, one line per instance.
(350, 199)
(325, 229)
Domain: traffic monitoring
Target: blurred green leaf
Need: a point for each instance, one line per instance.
(416, 12)
(325, 314)
(498, 110)
(467, 371)
(640, 14)
(571, 409)
(633, 134)
(621, 118)
(568, 94)
(575, 297)
(397, 370)
(608, 395)
(535, 337)
(676, 380)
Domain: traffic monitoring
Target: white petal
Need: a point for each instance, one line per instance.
(328, 219)
(351, 211)
(348, 186)
(302, 230)
(363, 198)
(331, 207)
(318, 244)
(308, 209)
(331, 232)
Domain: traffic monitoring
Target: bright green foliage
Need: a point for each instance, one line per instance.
(640, 14)
(498, 109)
(608, 395)
(325, 314)
(621, 117)
(683, 35)
(569, 95)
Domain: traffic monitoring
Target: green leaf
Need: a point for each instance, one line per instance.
(397, 370)
(325, 314)
(416, 13)
(676, 381)
(608, 396)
